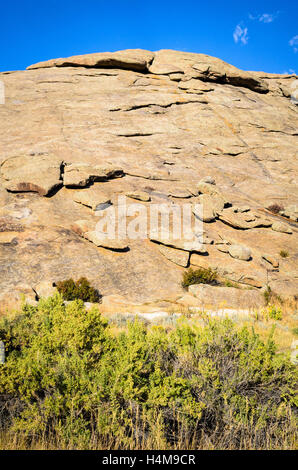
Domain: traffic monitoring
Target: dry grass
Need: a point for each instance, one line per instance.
(288, 441)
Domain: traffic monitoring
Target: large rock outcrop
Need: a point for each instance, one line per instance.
(166, 125)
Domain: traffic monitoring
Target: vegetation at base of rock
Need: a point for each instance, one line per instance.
(272, 311)
(275, 208)
(199, 276)
(271, 297)
(71, 382)
(284, 253)
(81, 289)
(267, 294)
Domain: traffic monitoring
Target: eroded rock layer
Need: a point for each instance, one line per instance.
(158, 127)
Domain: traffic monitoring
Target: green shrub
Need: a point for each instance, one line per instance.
(295, 331)
(228, 283)
(69, 380)
(199, 276)
(274, 312)
(80, 289)
(284, 253)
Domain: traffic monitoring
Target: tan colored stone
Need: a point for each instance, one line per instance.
(240, 252)
(139, 195)
(191, 246)
(281, 227)
(113, 300)
(243, 221)
(164, 131)
(271, 259)
(91, 197)
(241, 209)
(118, 245)
(207, 188)
(208, 207)
(188, 300)
(208, 69)
(204, 210)
(179, 257)
(34, 173)
(132, 59)
(230, 268)
(219, 297)
(180, 193)
(223, 248)
(82, 174)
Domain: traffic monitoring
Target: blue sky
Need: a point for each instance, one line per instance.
(254, 35)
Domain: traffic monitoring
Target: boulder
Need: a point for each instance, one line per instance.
(243, 220)
(222, 247)
(209, 207)
(116, 245)
(207, 188)
(32, 173)
(205, 209)
(114, 301)
(281, 227)
(131, 59)
(231, 268)
(188, 300)
(271, 259)
(215, 202)
(82, 174)
(240, 252)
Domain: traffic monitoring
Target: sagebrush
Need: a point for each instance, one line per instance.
(69, 381)
(199, 276)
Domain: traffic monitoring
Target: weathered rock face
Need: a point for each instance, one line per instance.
(135, 59)
(220, 297)
(162, 127)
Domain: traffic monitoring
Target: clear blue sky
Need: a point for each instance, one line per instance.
(254, 35)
